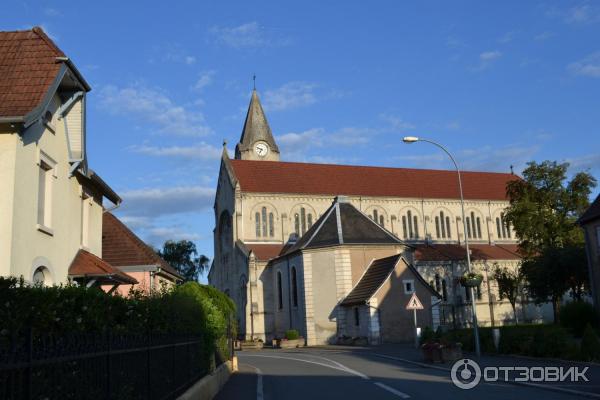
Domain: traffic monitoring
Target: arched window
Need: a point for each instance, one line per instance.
(41, 276)
(442, 226)
(410, 226)
(502, 227)
(279, 291)
(294, 288)
(257, 223)
(356, 316)
(264, 221)
(438, 283)
(378, 217)
(303, 221)
(473, 226)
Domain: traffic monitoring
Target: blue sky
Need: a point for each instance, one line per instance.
(499, 83)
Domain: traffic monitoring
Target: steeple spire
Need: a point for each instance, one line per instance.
(256, 132)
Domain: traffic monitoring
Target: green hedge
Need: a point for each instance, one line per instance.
(188, 309)
(529, 340)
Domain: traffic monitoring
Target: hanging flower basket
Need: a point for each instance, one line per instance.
(471, 279)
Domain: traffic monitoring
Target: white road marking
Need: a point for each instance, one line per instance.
(341, 367)
(392, 390)
(259, 381)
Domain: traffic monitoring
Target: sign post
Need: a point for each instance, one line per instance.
(415, 304)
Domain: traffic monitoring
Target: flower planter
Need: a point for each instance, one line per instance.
(452, 352)
(288, 344)
(251, 345)
(432, 352)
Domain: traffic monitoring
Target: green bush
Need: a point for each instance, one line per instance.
(292, 334)
(590, 344)
(68, 309)
(534, 340)
(428, 335)
(576, 315)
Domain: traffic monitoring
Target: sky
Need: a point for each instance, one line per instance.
(498, 83)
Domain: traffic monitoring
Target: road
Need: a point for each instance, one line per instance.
(325, 373)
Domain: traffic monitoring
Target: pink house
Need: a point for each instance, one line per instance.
(124, 251)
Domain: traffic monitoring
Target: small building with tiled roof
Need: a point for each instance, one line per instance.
(51, 202)
(590, 223)
(337, 280)
(262, 201)
(129, 254)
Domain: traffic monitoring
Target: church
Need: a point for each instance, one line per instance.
(337, 251)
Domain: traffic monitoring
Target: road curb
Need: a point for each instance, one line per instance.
(527, 384)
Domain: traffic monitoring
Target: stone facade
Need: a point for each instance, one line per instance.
(248, 219)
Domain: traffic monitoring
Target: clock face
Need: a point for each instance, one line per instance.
(261, 149)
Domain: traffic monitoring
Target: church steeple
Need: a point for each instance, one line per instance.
(256, 142)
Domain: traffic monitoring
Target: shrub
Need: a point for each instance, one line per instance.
(534, 340)
(292, 334)
(70, 309)
(576, 315)
(428, 335)
(590, 344)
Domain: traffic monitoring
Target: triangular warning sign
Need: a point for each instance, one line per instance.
(414, 303)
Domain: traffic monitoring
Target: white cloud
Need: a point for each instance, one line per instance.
(189, 60)
(582, 14)
(585, 162)
(293, 140)
(154, 107)
(204, 80)
(290, 95)
(396, 122)
(157, 236)
(507, 37)
(248, 35)
(52, 12)
(201, 151)
(351, 136)
(485, 158)
(588, 66)
(486, 59)
(154, 202)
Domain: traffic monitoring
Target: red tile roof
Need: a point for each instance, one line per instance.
(327, 179)
(28, 66)
(265, 252)
(454, 252)
(121, 247)
(86, 264)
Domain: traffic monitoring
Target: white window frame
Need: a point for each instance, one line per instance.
(412, 286)
(44, 217)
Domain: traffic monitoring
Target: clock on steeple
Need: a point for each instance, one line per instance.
(256, 142)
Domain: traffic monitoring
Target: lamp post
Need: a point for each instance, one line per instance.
(413, 139)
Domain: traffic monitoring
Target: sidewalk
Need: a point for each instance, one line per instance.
(407, 352)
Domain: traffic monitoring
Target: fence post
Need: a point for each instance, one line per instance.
(108, 343)
(29, 363)
(148, 340)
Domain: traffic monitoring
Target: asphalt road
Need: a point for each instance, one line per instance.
(313, 373)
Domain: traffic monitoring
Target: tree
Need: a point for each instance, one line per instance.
(509, 285)
(182, 256)
(543, 211)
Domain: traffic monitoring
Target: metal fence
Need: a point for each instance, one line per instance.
(100, 366)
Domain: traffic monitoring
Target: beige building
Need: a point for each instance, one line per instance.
(51, 202)
(590, 222)
(262, 202)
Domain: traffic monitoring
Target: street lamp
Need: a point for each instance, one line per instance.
(413, 139)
